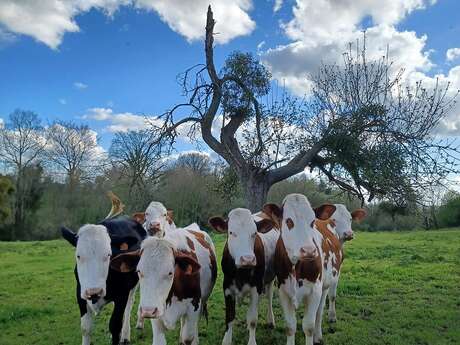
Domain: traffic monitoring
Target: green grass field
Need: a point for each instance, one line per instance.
(396, 288)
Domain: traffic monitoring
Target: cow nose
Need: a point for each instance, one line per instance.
(248, 260)
(149, 313)
(93, 294)
(154, 228)
(308, 252)
(349, 235)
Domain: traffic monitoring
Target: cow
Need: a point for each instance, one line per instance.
(298, 262)
(104, 253)
(247, 264)
(177, 273)
(335, 231)
(157, 220)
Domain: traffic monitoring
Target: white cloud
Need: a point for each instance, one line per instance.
(2, 123)
(48, 21)
(79, 85)
(321, 30)
(119, 122)
(277, 5)
(62, 101)
(452, 54)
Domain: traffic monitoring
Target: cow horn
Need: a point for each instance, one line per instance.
(117, 205)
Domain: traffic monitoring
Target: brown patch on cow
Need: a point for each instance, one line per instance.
(324, 211)
(359, 214)
(282, 263)
(186, 283)
(289, 223)
(190, 244)
(124, 246)
(200, 237)
(254, 277)
(230, 311)
(310, 270)
(139, 217)
(170, 216)
(330, 244)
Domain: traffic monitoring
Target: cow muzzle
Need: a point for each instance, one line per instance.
(154, 228)
(308, 253)
(94, 294)
(248, 261)
(150, 313)
(348, 235)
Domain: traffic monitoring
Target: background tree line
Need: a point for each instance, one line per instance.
(56, 175)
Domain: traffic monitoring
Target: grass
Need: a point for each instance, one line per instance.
(396, 288)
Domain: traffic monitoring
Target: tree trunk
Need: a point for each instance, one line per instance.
(255, 187)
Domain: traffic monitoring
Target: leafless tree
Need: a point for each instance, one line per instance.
(360, 126)
(72, 149)
(136, 156)
(22, 143)
(194, 161)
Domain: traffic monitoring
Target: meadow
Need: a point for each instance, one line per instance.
(396, 288)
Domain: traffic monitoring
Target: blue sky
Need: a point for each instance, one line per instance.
(124, 58)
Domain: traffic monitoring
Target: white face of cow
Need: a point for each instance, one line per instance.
(156, 219)
(156, 275)
(242, 232)
(343, 219)
(297, 229)
(92, 254)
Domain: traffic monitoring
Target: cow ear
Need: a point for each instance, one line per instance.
(358, 214)
(324, 211)
(265, 225)
(186, 262)
(170, 216)
(139, 217)
(69, 236)
(274, 212)
(219, 224)
(126, 262)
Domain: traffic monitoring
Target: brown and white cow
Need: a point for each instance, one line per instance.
(247, 264)
(176, 275)
(335, 232)
(299, 262)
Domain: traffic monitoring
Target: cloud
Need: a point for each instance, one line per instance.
(277, 5)
(452, 54)
(2, 123)
(62, 101)
(48, 21)
(320, 32)
(79, 85)
(119, 122)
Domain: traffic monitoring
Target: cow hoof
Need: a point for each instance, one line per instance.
(271, 325)
(319, 342)
(334, 320)
(125, 342)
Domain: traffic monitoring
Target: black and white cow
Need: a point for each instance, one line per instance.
(104, 254)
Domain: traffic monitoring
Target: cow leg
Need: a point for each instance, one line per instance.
(140, 319)
(126, 329)
(189, 328)
(116, 320)
(86, 322)
(309, 318)
(252, 316)
(289, 315)
(270, 316)
(332, 295)
(158, 333)
(318, 335)
(229, 318)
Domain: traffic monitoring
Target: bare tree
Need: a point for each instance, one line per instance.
(22, 143)
(194, 161)
(360, 127)
(72, 149)
(136, 156)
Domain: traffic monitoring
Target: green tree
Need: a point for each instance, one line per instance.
(6, 193)
(449, 212)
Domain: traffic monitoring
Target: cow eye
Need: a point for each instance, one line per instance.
(170, 274)
(78, 257)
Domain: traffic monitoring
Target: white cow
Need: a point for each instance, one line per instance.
(177, 274)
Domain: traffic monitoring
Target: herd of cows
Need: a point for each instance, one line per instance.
(298, 247)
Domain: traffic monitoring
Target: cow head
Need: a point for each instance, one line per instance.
(92, 255)
(343, 219)
(242, 231)
(156, 219)
(296, 218)
(159, 264)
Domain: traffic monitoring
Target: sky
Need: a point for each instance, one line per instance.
(110, 63)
